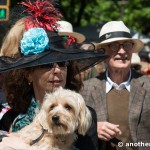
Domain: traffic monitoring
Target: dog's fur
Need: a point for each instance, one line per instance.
(62, 114)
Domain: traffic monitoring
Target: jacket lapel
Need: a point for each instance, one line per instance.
(100, 98)
(137, 93)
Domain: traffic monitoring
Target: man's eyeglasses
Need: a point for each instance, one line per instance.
(127, 46)
(60, 64)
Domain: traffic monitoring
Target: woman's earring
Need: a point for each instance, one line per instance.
(29, 82)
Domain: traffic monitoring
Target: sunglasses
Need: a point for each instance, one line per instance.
(127, 46)
(60, 64)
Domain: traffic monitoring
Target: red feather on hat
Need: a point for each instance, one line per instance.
(42, 14)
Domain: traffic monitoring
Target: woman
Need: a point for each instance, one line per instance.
(39, 63)
(25, 89)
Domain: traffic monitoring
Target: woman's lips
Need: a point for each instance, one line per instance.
(56, 83)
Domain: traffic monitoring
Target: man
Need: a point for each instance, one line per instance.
(65, 29)
(120, 96)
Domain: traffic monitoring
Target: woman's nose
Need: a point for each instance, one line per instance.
(56, 68)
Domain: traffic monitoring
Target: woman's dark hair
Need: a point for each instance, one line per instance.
(19, 92)
(74, 81)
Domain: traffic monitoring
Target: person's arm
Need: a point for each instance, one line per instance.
(90, 140)
(13, 142)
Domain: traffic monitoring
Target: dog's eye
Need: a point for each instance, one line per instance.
(51, 107)
(68, 107)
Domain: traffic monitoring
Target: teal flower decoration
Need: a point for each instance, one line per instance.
(34, 41)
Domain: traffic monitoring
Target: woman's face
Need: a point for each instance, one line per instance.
(47, 78)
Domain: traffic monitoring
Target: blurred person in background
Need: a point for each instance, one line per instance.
(136, 62)
(65, 30)
(146, 70)
(144, 56)
(145, 62)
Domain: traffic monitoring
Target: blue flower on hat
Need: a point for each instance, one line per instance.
(34, 41)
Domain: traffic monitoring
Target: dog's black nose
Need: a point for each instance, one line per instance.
(55, 118)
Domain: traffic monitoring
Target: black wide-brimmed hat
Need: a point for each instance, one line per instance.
(41, 44)
(40, 47)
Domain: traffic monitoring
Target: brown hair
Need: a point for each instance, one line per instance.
(17, 90)
(73, 81)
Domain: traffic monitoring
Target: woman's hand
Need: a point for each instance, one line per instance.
(107, 131)
(13, 142)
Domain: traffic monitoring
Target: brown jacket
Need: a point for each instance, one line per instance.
(94, 94)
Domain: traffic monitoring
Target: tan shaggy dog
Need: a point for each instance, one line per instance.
(62, 114)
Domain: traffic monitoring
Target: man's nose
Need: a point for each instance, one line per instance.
(121, 49)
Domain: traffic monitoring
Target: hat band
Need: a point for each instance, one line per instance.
(111, 35)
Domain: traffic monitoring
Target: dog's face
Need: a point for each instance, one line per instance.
(64, 112)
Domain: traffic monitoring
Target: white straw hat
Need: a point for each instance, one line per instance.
(115, 31)
(65, 28)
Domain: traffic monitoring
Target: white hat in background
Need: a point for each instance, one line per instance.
(115, 31)
(135, 59)
(66, 28)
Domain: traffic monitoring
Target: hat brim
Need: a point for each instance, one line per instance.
(79, 37)
(84, 59)
(138, 44)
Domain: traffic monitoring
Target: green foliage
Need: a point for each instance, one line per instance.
(135, 13)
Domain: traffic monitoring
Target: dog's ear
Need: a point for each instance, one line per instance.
(42, 119)
(85, 118)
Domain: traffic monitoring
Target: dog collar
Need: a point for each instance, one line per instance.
(39, 138)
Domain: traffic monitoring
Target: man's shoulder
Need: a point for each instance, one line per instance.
(140, 77)
(144, 80)
(95, 80)
(90, 81)
(92, 85)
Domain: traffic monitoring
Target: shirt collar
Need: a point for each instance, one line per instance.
(110, 83)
